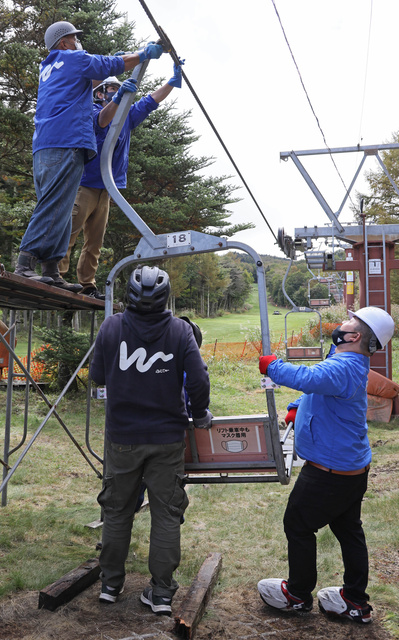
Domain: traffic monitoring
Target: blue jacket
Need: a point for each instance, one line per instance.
(92, 173)
(141, 359)
(330, 425)
(64, 101)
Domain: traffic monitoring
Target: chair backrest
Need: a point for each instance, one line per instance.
(237, 449)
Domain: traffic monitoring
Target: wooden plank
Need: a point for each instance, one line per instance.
(193, 606)
(18, 292)
(67, 587)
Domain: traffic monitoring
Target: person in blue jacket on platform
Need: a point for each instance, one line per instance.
(91, 208)
(141, 356)
(331, 436)
(62, 142)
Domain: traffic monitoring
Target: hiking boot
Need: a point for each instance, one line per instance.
(92, 292)
(160, 605)
(332, 601)
(110, 594)
(50, 269)
(26, 267)
(275, 593)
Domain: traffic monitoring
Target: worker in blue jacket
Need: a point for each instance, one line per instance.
(91, 208)
(62, 142)
(331, 436)
(141, 356)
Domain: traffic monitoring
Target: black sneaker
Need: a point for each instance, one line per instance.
(110, 594)
(93, 292)
(332, 601)
(159, 604)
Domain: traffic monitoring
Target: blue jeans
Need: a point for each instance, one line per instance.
(57, 174)
(318, 499)
(162, 468)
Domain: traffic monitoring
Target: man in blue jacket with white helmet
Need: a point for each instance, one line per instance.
(63, 141)
(91, 208)
(331, 436)
(141, 355)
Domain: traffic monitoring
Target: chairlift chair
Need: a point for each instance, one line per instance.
(319, 302)
(300, 353)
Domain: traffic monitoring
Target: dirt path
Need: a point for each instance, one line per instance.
(230, 616)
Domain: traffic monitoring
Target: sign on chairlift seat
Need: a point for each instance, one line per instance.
(304, 353)
(319, 302)
(234, 443)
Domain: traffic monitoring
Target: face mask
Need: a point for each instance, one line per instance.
(78, 46)
(109, 95)
(338, 336)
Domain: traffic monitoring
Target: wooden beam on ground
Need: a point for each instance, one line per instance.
(193, 606)
(67, 587)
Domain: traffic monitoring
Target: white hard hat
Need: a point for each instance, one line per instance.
(59, 30)
(379, 321)
(106, 82)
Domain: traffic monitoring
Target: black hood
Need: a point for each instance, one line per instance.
(148, 327)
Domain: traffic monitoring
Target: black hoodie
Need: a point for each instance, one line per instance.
(141, 360)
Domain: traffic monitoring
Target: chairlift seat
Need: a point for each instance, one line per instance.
(237, 449)
(319, 302)
(304, 353)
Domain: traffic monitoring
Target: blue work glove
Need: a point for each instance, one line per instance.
(205, 422)
(175, 81)
(150, 51)
(128, 85)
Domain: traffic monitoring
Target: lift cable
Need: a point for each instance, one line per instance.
(310, 103)
(365, 73)
(170, 49)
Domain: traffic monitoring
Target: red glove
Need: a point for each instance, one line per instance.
(264, 362)
(291, 415)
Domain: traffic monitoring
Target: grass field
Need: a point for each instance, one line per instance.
(234, 327)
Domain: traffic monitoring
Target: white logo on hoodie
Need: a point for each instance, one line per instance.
(140, 355)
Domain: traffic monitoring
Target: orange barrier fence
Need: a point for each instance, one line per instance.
(36, 368)
(246, 350)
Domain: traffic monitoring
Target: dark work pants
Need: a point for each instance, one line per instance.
(162, 467)
(317, 499)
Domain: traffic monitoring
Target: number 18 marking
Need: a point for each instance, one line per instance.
(178, 239)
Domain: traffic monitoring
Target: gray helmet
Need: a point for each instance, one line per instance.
(58, 30)
(148, 290)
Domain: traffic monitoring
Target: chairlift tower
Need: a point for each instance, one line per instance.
(371, 250)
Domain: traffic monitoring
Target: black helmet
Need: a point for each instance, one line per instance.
(148, 290)
(196, 330)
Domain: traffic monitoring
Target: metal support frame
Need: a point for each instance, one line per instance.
(368, 150)
(9, 471)
(368, 236)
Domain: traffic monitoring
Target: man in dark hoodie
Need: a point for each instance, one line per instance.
(141, 356)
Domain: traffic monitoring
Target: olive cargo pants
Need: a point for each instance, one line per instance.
(162, 468)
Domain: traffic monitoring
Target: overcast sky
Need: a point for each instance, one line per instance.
(239, 64)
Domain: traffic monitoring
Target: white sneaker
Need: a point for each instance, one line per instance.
(332, 600)
(275, 593)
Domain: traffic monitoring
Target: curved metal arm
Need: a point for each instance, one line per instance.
(108, 151)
